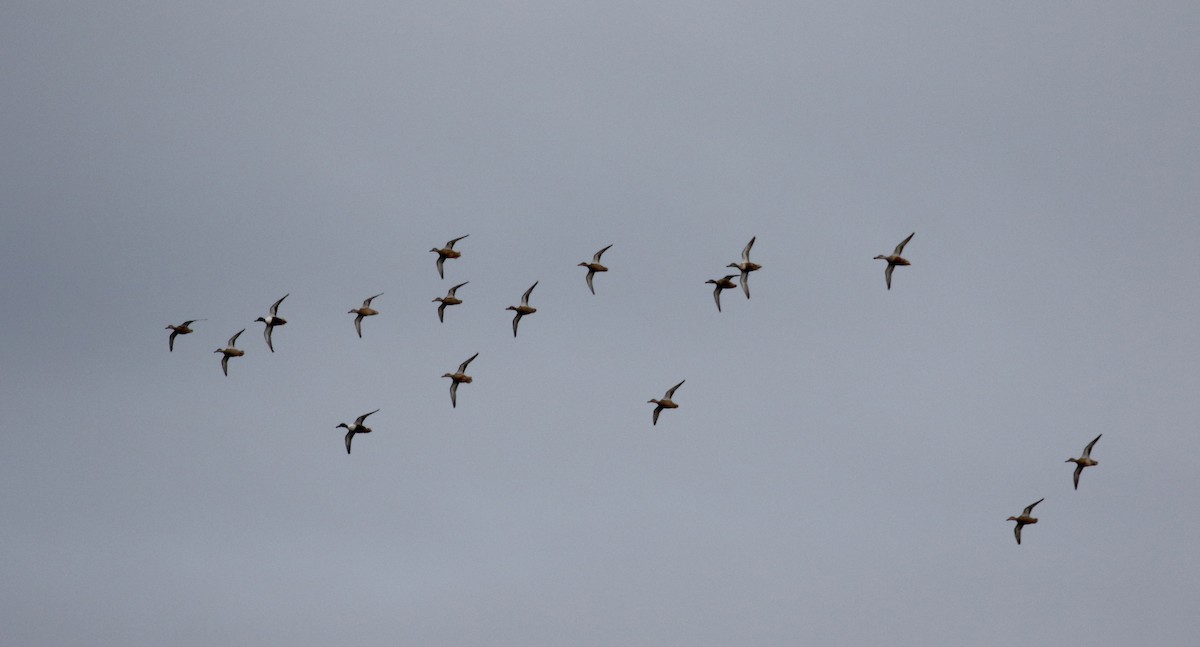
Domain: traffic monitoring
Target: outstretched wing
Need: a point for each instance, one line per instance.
(462, 368)
(367, 303)
(746, 251)
(596, 257)
(900, 247)
(1087, 451)
(275, 308)
(363, 417)
(525, 297)
(671, 391)
(233, 339)
(455, 288)
(1029, 510)
(450, 245)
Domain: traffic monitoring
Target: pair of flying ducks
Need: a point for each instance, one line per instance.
(1026, 517)
(231, 349)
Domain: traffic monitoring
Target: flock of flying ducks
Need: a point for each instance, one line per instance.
(745, 267)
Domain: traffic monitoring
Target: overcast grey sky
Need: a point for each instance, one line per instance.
(844, 457)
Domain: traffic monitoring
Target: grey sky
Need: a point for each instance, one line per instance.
(844, 456)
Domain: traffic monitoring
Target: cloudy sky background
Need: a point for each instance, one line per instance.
(843, 458)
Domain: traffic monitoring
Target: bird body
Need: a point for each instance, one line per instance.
(746, 267)
(725, 283)
(273, 320)
(524, 308)
(447, 252)
(356, 428)
(449, 300)
(1084, 461)
(895, 259)
(365, 311)
(230, 351)
(1025, 519)
(181, 329)
(665, 403)
(459, 377)
(594, 267)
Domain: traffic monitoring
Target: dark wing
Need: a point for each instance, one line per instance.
(349, 437)
(717, 297)
(441, 259)
(225, 365)
(367, 303)
(671, 391)
(454, 393)
(900, 247)
(275, 308)
(267, 336)
(358, 325)
(1087, 451)
(363, 417)
(887, 275)
(1078, 471)
(233, 339)
(657, 410)
(746, 251)
(746, 282)
(590, 274)
(515, 320)
(171, 340)
(596, 258)
(462, 368)
(1017, 532)
(453, 289)
(525, 297)
(441, 311)
(1029, 510)
(450, 245)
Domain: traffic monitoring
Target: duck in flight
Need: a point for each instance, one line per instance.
(594, 267)
(665, 402)
(524, 308)
(357, 428)
(1024, 519)
(230, 351)
(725, 283)
(1084, 461)
(459, 377)
(447, 252)
(449, 300)
(365, 311)
(895, 259)
(181, 329)
(746, 267)
(273, 320)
